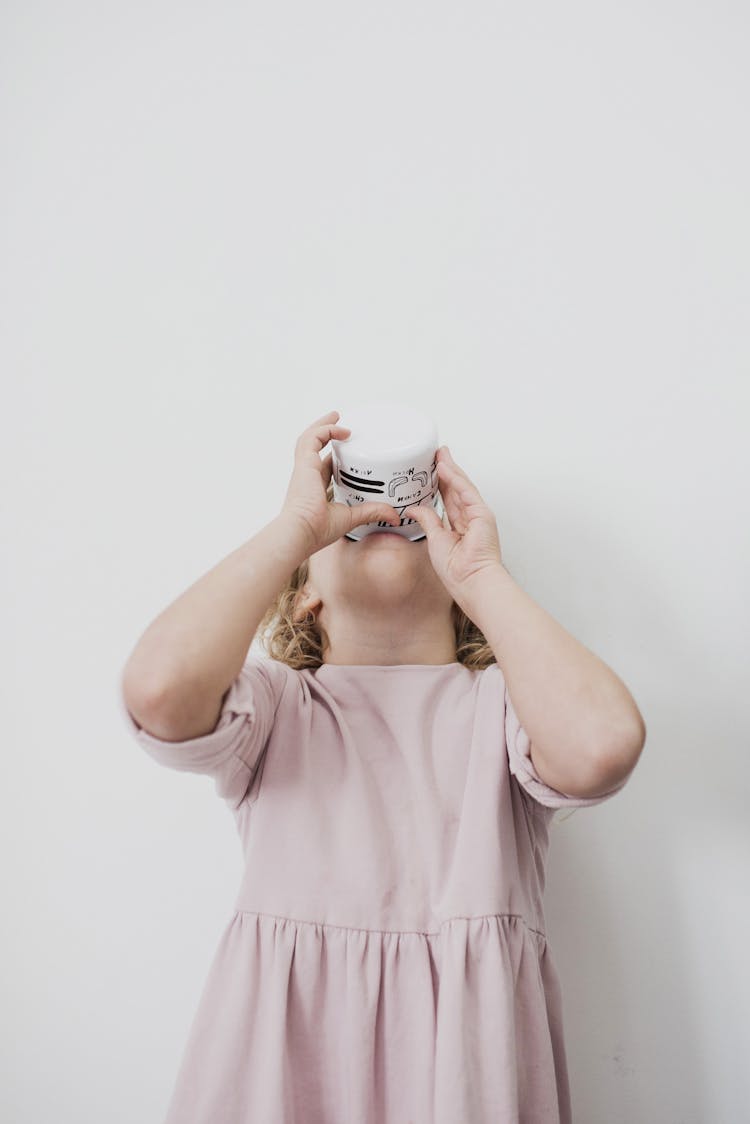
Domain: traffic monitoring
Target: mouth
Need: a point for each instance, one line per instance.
(385, 534)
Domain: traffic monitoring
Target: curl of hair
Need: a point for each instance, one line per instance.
(301, 643)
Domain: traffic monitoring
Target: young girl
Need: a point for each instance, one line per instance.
(386, 961)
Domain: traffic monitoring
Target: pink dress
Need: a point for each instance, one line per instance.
(386, 959)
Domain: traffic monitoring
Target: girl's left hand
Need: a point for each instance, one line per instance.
(465, 543)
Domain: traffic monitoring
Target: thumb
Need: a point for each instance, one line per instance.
(373, 513)
(428, 519)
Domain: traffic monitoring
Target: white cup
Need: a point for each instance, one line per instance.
(389, 456)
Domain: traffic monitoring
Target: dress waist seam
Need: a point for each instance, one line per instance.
(395, 932)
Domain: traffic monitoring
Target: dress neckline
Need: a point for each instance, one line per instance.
(387, 666)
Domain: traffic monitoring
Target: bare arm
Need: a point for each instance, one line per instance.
(585, 728)
(175, 680)
(176, 677)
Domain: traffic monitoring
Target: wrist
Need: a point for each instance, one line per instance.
(483, 587)
(292, 540)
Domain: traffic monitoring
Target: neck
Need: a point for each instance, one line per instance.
(433, 644)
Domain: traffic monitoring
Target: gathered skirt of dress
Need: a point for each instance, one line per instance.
(331, 1025)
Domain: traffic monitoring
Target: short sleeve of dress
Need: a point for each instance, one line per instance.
(233, 751)
(521, 766)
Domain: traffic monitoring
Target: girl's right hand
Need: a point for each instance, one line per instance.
(306, 504)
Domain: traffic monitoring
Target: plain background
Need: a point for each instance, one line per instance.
(218, 222)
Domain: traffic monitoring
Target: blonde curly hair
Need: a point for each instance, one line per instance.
(300, 643)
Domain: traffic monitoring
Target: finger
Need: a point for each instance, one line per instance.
(459, 481)
(382, 513)
(325, 433)
(317, 437)
(372, 512)
(445, 457)
(453, 502)
(469, 486)
(331, 416)
(326, 419)
(428, 518)
(453, 505)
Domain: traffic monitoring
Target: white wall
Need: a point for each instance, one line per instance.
(220, 221)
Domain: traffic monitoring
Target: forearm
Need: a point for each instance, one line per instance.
(567, 699)
(200, 641)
